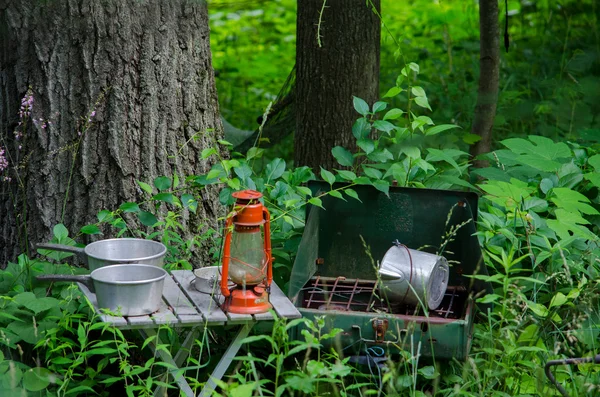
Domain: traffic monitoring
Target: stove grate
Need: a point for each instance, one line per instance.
(340, 293)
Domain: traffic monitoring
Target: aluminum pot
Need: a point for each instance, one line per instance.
(127, 289)
(409, 276)
(116, 251)
(208, 279)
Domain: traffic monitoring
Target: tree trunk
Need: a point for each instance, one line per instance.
(489, 76)
(337, 57)
(143, 67)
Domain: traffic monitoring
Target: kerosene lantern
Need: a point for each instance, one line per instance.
(247, 260)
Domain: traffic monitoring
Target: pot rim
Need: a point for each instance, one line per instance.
(162, 252)
(108, 268)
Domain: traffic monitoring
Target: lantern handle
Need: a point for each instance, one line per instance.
(226, 257)
(267, 227)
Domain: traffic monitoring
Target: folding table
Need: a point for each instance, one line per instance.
(185, 307)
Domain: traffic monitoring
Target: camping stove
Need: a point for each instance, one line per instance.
(334, 275)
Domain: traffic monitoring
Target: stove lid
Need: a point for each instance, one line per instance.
(332, 243)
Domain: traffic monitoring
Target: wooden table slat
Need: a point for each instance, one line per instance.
(282, 305)
(203, 302)
(176, 298)
(140, 321)
(263, 316)
(164, 316)
(194, 319)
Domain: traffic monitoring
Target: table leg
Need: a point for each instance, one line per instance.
(226, 360)
(176, 373)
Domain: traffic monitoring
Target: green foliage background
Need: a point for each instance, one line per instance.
(549, 81)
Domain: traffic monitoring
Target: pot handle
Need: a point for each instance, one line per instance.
(80, 252)
(84, 279)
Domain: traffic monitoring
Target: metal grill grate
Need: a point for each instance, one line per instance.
(339, 293)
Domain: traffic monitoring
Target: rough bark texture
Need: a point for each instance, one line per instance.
(152, 59)
(489, 76)
(346, 65)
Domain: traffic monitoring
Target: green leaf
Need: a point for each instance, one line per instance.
(104, 215)
(372, 172)
(129, 207)
(392, 92)
(90, 229)
(145, 187)
(593, 177)
(243, 172)
(594, 161)
(327, 176)
(275, 169)
(379, 106)
(40, 304)
(343, 156)
(471, 139)
(441, 155)
(570, 222)
(36, 379)
(206, 153)
(538, 309)
(422, 102)
(280, 190)
(360, 105)
(539, 152)
(162, 183)
(545, 185)
(352, 193)
(381, 156)
(361, 128)
(336, 194)
(384, 126)
(80, 388)
(366, 144)
(573, 201)
(411, 151)
(225, 196)
(440, 128)
(304, 190)
(147, 218)
(316, 201)
(382, 186)
(188, 201)
(429, 372)
(347, 175)
(558, 299)
(60, 232)
(544, 147)
(165, 197)
(418, 91)
(393, 114)
(224, 142)
(254, 152)
(414, 67)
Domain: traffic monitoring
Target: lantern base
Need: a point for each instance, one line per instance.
(246, 301)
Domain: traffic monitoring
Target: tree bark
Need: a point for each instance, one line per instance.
(144, 67)
(489, 76)
(345, 64)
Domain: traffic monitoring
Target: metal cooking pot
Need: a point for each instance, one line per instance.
(116, 251)
(208, 279)
(127, 289)
(409, 276)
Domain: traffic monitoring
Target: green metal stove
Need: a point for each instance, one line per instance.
(335, 274)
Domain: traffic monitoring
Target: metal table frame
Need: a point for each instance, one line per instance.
(184, 307)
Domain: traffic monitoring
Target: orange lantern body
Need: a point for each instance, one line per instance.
(247, 259)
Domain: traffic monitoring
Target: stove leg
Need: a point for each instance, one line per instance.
(226, 360)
